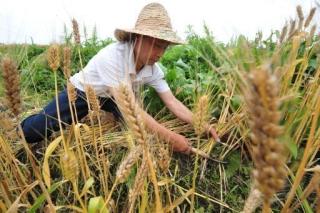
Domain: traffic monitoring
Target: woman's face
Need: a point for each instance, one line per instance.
(149, 50)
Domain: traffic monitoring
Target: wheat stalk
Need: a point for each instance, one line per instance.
(69, 165)
(200, 119)
(93, 100)
(300, 16)
(201, 115)
(312, 186)
(67, 62)
(8, 125)
(53, 57)
(138, 184)
(12, 84)
(307, 151)
(94, 112)
(70, 170)
(76, 33)
(164, 159)
(292, 28)
(131, 113)
(283, 34)
(6, 122)
(133, 116)
(311, 35)
(126, 165)
(72, 93)
(267, 153)
(253, 201)
(310, 17)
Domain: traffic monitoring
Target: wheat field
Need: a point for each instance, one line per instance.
(262, 96)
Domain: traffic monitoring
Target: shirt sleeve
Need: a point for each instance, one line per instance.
(158, 82)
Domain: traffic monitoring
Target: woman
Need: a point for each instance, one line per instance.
(131, 60)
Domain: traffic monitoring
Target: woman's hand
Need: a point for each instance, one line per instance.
(180, 144)
(213, 134)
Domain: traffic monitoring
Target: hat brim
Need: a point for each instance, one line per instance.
(170, 36)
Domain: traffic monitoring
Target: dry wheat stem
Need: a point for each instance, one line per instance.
(138, 184)
(58, 113)
(200, 122)
(312, 186)
(72, 93)
(300, 16)
(36, 169)
(201, 115)
(253, 201)
(69, 165)
(70, 170)
(283, 33)
(12, 84)
(131, 113)
(67, 62)
(76, 33)
(93, 100)
(127, 164)
(310, 17)
(53, 57)
(94, 109)
(306, 154)
(292, 28)
(79, 142)
(267, 153)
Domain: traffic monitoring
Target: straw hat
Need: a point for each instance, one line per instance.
(153, 21)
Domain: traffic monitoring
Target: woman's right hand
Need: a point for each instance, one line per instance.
(180, 144)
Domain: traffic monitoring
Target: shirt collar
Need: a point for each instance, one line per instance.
(146, 71)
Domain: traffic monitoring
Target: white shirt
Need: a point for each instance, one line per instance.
(113, 65)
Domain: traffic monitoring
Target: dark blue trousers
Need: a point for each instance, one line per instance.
(40, 126)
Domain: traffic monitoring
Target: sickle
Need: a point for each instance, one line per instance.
(205, 155)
